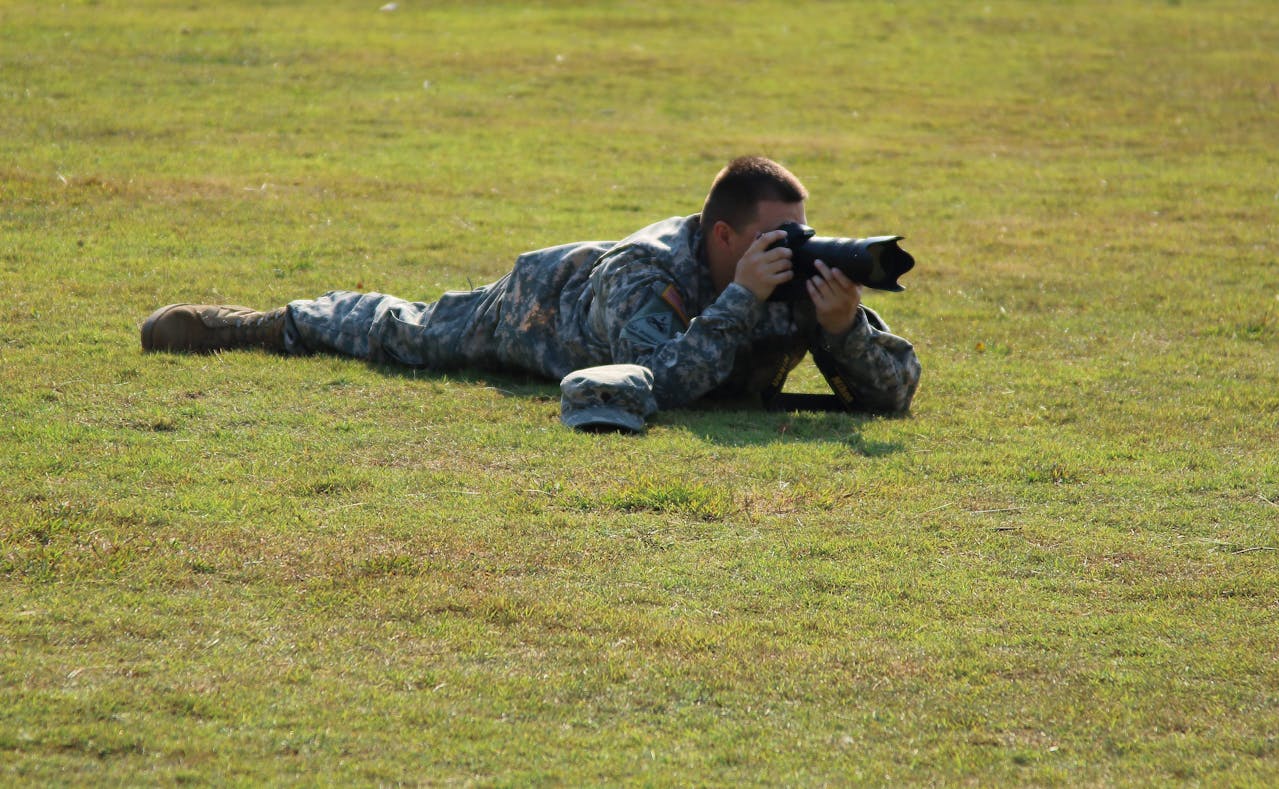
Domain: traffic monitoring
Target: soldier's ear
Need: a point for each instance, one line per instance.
(723, 234)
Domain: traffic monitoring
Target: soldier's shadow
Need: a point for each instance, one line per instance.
(726, 422)
(743, 423)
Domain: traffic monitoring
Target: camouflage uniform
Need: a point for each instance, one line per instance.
(647, 300)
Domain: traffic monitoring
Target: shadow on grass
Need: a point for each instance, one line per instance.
(729, 422)
(742, 423)
(513, 384)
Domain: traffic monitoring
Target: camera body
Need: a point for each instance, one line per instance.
(875, 262)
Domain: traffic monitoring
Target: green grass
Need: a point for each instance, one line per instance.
(1060, 569)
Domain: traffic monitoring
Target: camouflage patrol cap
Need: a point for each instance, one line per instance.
(609, 397)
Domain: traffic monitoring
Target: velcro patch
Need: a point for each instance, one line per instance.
(661, 319)
(671, 296)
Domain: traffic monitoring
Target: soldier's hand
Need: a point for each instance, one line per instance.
(836, 298)
(762, 269)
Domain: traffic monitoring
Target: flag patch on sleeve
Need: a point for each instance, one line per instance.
(661, 319)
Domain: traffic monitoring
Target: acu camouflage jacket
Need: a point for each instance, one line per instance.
(649, 300)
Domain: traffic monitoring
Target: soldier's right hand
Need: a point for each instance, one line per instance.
(762, 269)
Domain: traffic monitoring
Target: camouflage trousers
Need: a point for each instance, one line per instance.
(452, 332)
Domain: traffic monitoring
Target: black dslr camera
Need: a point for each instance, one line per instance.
(875, 262)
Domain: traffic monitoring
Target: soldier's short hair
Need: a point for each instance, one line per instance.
(740, 187)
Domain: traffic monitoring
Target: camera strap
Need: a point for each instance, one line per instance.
(796, 401)
(776, 400)
(830, 371)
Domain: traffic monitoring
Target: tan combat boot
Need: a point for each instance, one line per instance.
(204, 328)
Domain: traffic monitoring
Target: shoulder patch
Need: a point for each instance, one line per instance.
(659, 320)
(671, 296)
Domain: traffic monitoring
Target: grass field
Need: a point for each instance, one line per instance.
(1061, 568)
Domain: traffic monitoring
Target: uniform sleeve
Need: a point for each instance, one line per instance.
(881, 368)
(645, 325)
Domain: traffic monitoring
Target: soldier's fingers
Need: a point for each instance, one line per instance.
(767, 258)
(841, 280)
(834, 276)
(764, 240)
(822, 284)
(822, 279)
(772, 265)
(815, 292)
(780, 253)
(837, 279)
(781, 274)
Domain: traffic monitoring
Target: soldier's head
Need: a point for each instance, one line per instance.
(752, 195)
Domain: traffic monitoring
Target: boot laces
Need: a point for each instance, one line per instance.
(254, 328)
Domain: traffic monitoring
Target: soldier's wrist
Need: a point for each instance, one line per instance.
(857, 332)
(741, 299)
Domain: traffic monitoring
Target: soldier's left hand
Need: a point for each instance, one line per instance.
(836, 298)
